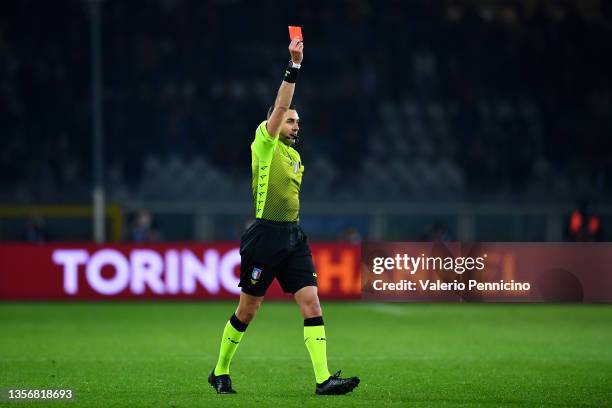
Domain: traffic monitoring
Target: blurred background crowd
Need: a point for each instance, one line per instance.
(420, 101)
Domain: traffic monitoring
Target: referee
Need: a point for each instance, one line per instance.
(275, 246)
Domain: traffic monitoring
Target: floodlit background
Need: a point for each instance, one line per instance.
(486, 120)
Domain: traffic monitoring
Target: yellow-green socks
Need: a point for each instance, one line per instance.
(232, 334)
(316, 343)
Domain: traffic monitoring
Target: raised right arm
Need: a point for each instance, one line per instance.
(285, 92)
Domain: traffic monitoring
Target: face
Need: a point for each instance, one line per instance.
(144, 219)
(290, 128)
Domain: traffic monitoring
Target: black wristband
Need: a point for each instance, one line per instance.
(291, 74)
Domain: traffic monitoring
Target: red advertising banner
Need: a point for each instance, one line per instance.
(476, 272)
(486, 272)
(204, 271)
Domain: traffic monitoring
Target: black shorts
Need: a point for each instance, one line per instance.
(271, 249)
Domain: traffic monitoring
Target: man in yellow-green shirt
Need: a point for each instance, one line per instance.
(275, 246)
(277, 171)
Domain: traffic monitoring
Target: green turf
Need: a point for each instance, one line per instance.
(159, 354)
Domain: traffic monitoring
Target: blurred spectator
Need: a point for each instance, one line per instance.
(36, 230)
(143, 228)
(351, 235)
(438, 231)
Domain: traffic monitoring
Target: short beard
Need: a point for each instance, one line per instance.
(288, 140)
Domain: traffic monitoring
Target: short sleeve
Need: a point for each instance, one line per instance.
(264, 144)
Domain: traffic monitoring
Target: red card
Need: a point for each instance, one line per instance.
(295, 32)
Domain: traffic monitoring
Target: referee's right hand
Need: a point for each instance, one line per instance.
(296, 49)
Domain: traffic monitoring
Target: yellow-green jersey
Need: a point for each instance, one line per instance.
(277, 176)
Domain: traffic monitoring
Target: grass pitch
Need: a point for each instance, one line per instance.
(159, 354)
